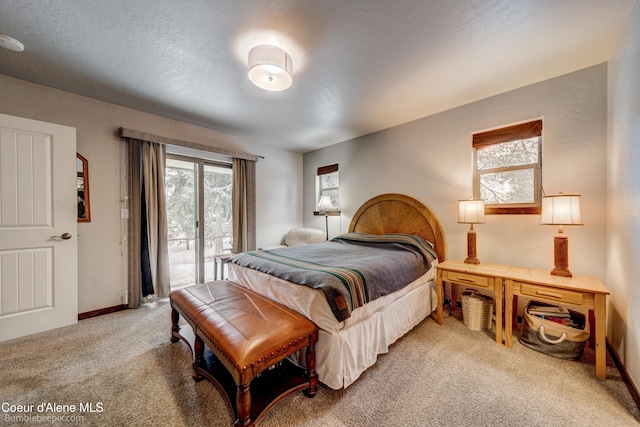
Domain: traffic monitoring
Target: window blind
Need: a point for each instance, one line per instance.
(324, 170)
(506, 134)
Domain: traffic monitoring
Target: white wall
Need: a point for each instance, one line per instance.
(101, 265)
(623, 203)
(431, 160)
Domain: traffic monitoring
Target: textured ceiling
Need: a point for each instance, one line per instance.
(359, 66)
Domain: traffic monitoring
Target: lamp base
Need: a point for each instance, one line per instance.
(471, 247)
(561, 256)
(564, 272)
(326, 215)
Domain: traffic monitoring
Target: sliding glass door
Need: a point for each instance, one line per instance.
(198, 216)
(217, 215)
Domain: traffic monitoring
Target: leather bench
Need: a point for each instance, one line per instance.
(248, 335)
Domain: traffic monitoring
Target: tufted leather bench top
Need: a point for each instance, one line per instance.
(246, 331)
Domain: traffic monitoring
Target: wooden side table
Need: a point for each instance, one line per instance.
(220, 260)
(577, 291)
(478, 276)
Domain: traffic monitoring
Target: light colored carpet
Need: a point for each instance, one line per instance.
(124, 365)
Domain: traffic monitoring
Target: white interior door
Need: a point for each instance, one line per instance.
(38, 227)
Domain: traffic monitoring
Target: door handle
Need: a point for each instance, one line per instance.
(63, 236)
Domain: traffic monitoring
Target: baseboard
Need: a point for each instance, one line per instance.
(623, 373)
(101, 311)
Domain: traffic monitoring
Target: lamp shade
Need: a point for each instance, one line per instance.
(270, 68)
(471, 211)
(561, 209)
(325, 205)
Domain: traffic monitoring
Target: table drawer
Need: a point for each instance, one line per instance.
(468, 279)
(551, 294)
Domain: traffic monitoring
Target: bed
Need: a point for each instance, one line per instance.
(346, 348)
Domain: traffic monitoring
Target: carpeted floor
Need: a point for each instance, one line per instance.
(120, 369)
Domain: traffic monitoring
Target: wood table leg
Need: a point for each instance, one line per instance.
(498, 293)
(454, 296)
(508, 315)
(592, 327)
(601, 339)
(439, 292)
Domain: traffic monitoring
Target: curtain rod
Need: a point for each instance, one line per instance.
(143, 136)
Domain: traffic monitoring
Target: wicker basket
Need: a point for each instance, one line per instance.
(477, 310)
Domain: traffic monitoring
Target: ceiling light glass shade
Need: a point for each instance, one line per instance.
(471, 211)
(11, 43)
(561, 209)
(270, 68)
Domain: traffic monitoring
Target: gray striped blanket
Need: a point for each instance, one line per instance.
(351, 269)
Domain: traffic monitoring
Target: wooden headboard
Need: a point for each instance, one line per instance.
(397, 213)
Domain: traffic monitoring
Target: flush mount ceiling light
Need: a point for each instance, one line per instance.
(11, 43)
(270, 68)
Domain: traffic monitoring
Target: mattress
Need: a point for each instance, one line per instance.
(312, 303)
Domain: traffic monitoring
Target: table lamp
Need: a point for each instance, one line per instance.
(471, 212)
(561, 209)
(326, 208)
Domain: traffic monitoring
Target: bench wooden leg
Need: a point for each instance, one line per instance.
(198, 358)
(175, 328)
(311, 366)
(243, 404)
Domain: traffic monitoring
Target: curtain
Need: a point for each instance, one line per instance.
(244, 205)
(156, 220)
(134, 185)
(148, 261)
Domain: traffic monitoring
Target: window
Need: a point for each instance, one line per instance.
(328, 184)
(508, 169)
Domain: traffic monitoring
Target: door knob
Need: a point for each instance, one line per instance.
(63, 236)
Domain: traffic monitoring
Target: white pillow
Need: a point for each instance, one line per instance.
(304, 236)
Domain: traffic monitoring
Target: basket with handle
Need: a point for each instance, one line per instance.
(477, 310)
(559, 335)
